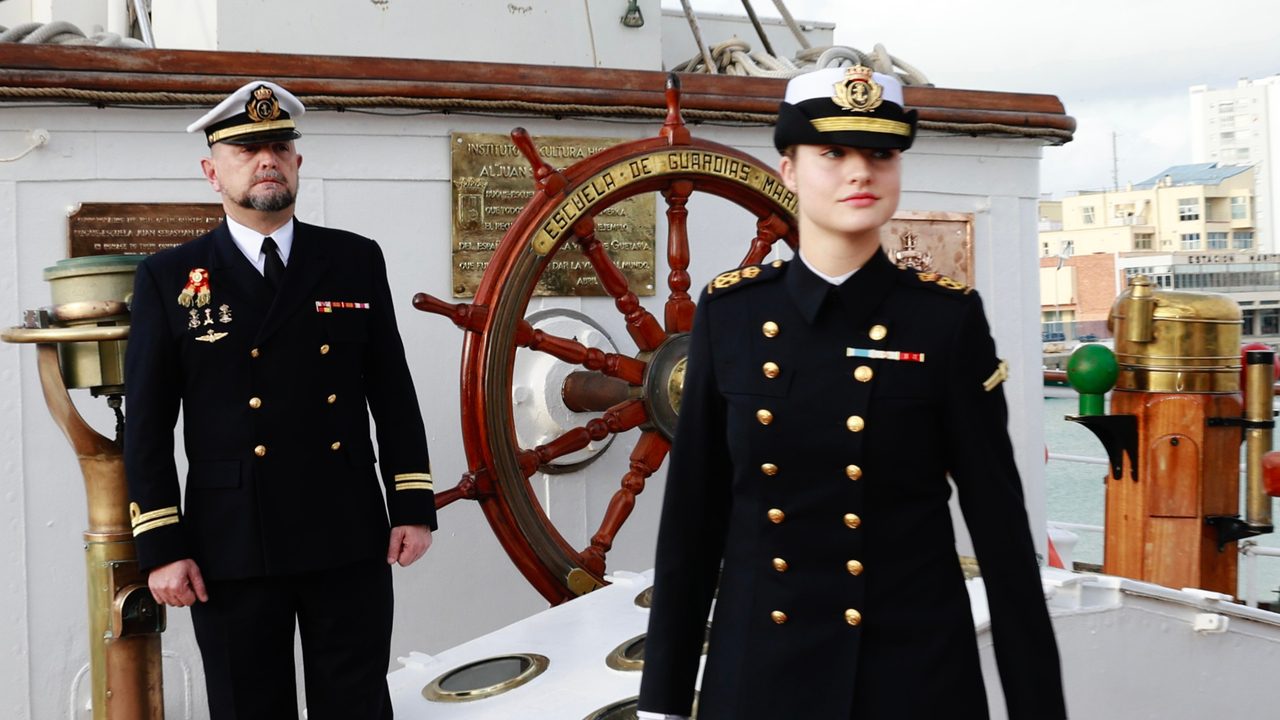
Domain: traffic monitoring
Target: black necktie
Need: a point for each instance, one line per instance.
(274, 270)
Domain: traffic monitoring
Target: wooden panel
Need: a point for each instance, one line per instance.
(1172, 475)
(1173, 552)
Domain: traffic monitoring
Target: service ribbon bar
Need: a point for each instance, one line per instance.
(328, 306)
(884, 354)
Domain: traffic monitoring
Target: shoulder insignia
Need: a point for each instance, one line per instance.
(1000, 375)
(726, 280)
(942, 281)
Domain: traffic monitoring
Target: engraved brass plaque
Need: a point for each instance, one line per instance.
(940, 242)
(492, 182)
(137, 228)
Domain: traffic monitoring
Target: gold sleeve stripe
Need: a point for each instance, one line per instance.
(414, 486)
(863, 124)
(148, 526)
(137, 519)
(413, 476)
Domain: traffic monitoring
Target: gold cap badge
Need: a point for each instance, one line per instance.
(263, 106)
(858, 91)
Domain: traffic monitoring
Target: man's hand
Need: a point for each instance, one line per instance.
(177, 584)
(408, 543)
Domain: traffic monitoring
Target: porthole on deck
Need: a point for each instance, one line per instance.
(486, 678)
(629, 655)
(627, 710)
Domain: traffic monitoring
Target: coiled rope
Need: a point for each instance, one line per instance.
(63, 33)
(735, 57)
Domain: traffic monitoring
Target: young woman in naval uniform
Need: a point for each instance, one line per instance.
(827, 401)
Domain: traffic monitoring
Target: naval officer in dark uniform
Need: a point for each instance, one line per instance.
(276, 340)
(826, 402)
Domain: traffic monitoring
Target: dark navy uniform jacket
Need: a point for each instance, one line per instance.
(808, 475)
(276, 392)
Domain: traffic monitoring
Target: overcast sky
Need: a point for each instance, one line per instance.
(1120, 66)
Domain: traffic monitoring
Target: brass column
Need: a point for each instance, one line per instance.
(125, 622)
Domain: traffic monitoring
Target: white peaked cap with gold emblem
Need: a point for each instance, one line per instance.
(260, 111)
(851, 106)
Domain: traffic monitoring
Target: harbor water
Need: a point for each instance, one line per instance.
(1076, 494)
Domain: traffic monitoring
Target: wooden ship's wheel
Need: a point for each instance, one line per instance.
(640, 391)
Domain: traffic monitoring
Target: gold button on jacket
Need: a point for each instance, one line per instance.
(854, 567)
(771, 370)
(780, 565)
(853, 472)
(853, 617)
(769, 469)
(851, 520)
(778, 616)
(255, 403)
(764, 416)
(260, 450)
(776, 516)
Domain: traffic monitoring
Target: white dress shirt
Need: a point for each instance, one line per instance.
(250, 242)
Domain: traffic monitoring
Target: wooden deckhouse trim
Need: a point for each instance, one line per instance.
(587, 91)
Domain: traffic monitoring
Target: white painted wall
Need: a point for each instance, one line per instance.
(548, 32)
(388, 177)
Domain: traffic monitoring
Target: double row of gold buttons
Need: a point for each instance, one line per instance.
(255, 402)
(855, 424)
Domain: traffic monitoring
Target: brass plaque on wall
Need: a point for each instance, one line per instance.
(938, 242)
(492, 182)
(137, 228)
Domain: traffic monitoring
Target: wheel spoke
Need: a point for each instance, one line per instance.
(472, 486)
(617, 419)
(768, 230)
(467, 316)
(572, 351)
(642, 325)
(646, 458)
(679, 311)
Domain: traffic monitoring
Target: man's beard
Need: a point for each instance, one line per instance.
(275, 199)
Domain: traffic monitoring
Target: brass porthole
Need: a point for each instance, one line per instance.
(627, 656)
(486, 678)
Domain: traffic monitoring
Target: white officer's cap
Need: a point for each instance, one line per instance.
(258, 112)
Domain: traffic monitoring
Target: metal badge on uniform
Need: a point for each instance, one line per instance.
(858, 92)
(328, 306)
(210, 336)
(884, 354)
(197, 288)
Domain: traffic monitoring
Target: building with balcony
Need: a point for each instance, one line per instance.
(1206, 207)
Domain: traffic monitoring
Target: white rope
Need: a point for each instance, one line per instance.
(63, 33)
(735, 57)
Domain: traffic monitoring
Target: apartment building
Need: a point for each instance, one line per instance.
(1241, 126)
(1187, 208)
